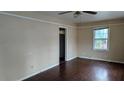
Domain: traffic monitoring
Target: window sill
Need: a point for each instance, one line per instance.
(102, 50)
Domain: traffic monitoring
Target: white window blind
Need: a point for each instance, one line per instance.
(100, 39)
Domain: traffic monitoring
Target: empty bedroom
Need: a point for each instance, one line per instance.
(61, 45)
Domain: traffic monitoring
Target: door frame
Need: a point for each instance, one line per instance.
(66, 30)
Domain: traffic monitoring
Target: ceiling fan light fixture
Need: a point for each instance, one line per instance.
(77, 14)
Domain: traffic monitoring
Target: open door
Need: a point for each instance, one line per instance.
(62, 45)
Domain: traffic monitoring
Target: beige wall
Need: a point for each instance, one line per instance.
(85, 41)
(71, 43)
(28, 46)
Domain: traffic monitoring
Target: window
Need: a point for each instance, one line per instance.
(100, 39)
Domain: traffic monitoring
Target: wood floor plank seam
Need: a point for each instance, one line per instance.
(80, 69)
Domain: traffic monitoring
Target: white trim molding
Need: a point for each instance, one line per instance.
(108, 38)
(68, 59)
(40, 71)
(35, 19)
(100, 59)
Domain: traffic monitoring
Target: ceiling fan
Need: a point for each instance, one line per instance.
(78, 13)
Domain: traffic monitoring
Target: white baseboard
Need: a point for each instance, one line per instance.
(71, 58)
(42, 70)
(114, 61)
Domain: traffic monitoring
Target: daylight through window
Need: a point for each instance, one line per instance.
(101, 39)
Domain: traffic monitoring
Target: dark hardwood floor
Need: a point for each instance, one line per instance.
(82, 70)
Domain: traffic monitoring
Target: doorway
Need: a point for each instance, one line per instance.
(62, 36)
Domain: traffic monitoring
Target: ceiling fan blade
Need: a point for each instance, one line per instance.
(65, 12)
(90, 12)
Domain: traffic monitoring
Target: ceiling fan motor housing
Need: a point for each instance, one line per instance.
(77, 13)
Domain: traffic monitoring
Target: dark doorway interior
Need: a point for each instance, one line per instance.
(62, 44)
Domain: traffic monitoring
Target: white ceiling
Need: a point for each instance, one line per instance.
(84, 18)
(102, 15)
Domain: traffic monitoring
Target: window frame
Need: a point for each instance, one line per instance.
(108, 39)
